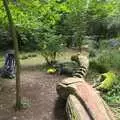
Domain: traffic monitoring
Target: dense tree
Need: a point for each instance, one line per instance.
(73, 23)
(72, 19)
(32, 18)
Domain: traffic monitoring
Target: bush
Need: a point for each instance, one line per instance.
(24, 57)
(113, 95)
(98, 67)
(111, 59)
(32, 55)
(92, 53)
(50, 46)
(105, 61)
(5, 40)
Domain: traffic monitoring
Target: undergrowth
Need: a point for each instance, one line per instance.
(103, 60)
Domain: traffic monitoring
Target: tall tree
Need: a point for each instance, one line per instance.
(15, 41)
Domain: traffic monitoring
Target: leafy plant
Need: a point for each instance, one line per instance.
(92, 53)
(51, 45)
(106, 60)
(108, 81)
(113, 95)
(98, 66)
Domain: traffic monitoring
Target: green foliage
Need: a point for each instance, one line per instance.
(29, 55)
(111, 59)
(24, 57)
(107, 83)
(97, 12)
(106, 60)
(92, 53)
(113, 95)
(50, 46)
(32, 55)
(31, 17)
(72, 19)
(98, 66)
(6, 41)
(73, 24)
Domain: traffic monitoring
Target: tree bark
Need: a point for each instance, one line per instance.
(15, 41)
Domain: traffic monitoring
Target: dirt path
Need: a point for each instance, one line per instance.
(40, 89)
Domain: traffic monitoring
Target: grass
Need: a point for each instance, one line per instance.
(1, 61)
(35, 58)
(116, 112)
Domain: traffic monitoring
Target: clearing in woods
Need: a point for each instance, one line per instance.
(40, 89)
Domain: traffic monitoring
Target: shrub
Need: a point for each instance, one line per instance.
(109, 79)
(32, 55)
(98, 67)
(92, 53)
(111, 59)
(24, 57)
(50, 47)
(113, 95)
(105, 61)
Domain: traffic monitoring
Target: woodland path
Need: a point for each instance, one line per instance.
(40, 89)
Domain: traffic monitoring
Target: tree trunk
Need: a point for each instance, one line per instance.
(15, 41)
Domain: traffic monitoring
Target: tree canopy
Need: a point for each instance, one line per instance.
(71, 19)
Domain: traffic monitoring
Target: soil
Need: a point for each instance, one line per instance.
(39, 91)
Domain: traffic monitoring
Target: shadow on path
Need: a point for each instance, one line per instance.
(59, 110)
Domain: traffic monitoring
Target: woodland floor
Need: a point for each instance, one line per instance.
(40, 89)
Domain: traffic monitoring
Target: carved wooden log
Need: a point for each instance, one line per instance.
(85, 103)
(84, 64)
(87, 96)
(75, 110)
(92, 102)
(64, 88)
